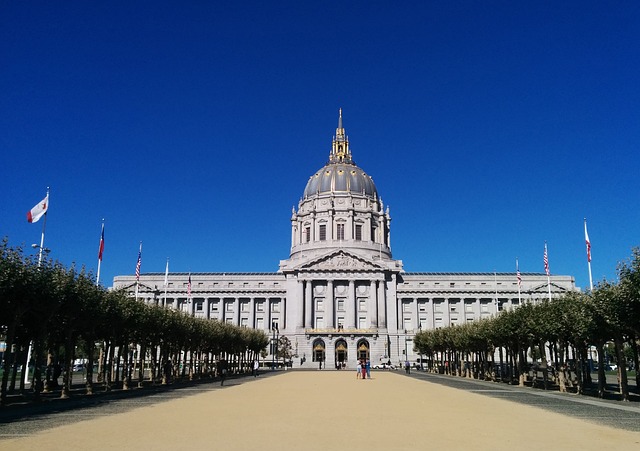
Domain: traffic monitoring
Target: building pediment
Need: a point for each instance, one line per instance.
(340, 261)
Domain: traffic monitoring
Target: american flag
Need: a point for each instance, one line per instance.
(518, 274)
(101, 247)
(546, 259)
(189, 287)
(139, 263)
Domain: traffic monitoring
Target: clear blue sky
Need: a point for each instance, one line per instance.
(194, 126)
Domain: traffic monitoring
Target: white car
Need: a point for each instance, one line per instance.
(383, 366)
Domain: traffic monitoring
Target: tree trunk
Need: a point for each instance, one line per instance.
(602, 377)
(622, 369)
(7, 361)
(91, 348)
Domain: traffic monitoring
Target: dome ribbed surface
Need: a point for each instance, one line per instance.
(340, 178)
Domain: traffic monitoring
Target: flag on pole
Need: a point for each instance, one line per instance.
(101, 247)
(166, 275)
(39, 210)
(139, 263)
(189, 287)
(518, 274)
(546, 259)
(588, 242)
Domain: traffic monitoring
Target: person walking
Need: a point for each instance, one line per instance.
(363, 368)
(222, 369)
(256, 366)
(368, 367)
(358, 369)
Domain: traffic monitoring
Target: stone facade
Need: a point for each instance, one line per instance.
(341, 295)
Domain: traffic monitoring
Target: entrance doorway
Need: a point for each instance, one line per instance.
(363, 350)
(341, 354)
(318, 351)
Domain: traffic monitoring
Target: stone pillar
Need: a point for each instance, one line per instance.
(300, 304)
(207, 306)
(236, 311)
(308, 304)
(351, 306)
(330, 308)
(382, 301)
(252, 313)
(372, 304)
(416, 310)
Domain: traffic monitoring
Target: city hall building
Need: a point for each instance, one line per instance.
(341, 295)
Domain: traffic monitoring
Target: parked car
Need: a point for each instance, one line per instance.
(383, 366)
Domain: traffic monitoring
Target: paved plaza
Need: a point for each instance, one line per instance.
(320, 410)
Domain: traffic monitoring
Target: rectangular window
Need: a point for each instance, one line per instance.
(340, 322)
(229, 307)
(423, 323)
(340, 231)
(259, 306)
(422, 306)
(407, 324)
(214, 306)
(229, 320)
(406, 306)
(319, 322)
(341, 305)
(307, 234)
(198, 306)
(358, 232)
(319, 305)
(274, 324)
(259, 323)
(275, 306)
(362, 305)
(362, 322)
(323, 232)
(245, 306)
(244, 322)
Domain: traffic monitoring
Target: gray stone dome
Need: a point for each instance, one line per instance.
(340, 178)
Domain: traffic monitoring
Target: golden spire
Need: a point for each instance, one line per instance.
(340, 152)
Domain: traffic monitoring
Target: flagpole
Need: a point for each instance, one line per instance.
(546, 268)
(495, 280)
(519, 282)
(166, 282)
(138, 264)
(100, 254)
(40, 251)
(588, 242)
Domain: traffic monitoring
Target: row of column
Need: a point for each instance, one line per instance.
(375, 305)
(430, 313)
(223, 315)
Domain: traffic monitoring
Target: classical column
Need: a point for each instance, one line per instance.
(207, 306)
(416, 321)
(299, 320)
(330, 308)
(252, 313)
(382, 310)
(236, 311)
(372, 304)
(352, 307)
(308, 295)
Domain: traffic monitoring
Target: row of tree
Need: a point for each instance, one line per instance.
(558, 336)
(60, 314)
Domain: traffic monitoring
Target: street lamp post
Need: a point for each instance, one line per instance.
(420, 331)
(274, 344)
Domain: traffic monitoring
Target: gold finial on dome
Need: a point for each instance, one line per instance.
(340, 152)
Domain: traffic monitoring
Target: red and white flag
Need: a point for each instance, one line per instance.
(39, 210)
(518, 276)
(588, 242)
(546, 259)
(101, 247)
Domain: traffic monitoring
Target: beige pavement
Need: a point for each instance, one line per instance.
(318, 410)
